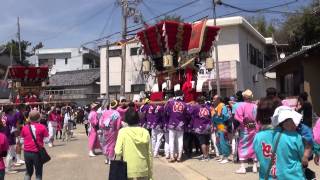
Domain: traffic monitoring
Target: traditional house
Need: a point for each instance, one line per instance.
(299, 72)
(78, 86)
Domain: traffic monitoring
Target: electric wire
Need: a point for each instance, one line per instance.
(108, 20)
(57, 34)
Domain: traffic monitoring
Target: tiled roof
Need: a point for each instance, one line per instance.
(74, 78)
(292, 56)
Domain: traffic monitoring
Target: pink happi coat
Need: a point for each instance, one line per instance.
(122, 112)
(110, 124)
(93, 135)
(246, 112)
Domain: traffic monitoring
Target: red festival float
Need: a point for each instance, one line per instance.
(27, 82)
(177, 50)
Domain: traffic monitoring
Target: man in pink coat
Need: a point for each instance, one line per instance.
(246, 115)
(94, 127)
(110, 125)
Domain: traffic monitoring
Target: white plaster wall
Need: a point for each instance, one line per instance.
(246, 71)
(103, 72)
(133, 67)
(228, 44)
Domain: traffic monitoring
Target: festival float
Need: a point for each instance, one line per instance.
(27, 82)
(179, 55)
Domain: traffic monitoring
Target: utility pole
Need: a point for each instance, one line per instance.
(124, 5)
(107, 73)
(19, 39)
(216, 50)
(129, 9)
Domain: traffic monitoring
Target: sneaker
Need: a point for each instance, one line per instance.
(203, 159)
(106, 161)
(91, 154)
(11, 172)
(20, 162)
(254, 169)
(224, 161)
(50, 145)
(241, 170)
(219, 160)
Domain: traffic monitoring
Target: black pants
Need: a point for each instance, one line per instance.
(33, 161)
(2, 174)
(58, 131)
(190, 141)
(86, 126)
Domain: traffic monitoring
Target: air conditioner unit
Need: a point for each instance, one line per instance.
(255, 78)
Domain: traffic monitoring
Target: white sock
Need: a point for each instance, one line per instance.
(242, 165)
(18, 156)
(255, 164)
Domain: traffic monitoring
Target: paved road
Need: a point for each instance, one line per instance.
(71, 162)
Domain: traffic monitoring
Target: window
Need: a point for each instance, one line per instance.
(138, 87)
(43, 62)
(252, 54)
(66, 61)
(134, 51)
(114, 89)
(260, 60)
(256, 56)
(115, 53)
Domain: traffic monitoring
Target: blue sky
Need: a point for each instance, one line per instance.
(70, 23)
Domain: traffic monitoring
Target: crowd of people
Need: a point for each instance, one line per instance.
(268, 133)
(46, 124)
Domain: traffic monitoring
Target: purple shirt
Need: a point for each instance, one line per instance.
(10, 126)
(177, 112)
(19, 117)
(200, 119)
(155, 117)
(143, 117)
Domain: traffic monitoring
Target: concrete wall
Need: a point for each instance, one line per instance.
(246, 70)
(133, 69)
(74, 63)
(228, 44)
(75, 58)
(311, 81)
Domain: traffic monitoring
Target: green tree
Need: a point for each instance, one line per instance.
(262, 25)
(301, 28)
(24, 50)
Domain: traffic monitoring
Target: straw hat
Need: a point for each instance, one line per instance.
(283, 113)
(247, 94)
(94, 105)
(113, 104)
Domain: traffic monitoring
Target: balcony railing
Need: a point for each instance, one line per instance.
(68, 94)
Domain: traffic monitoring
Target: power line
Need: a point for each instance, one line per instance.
(148, 8)
(78, 23)
(256, 10)
(133, 26)
(166, 13)
(197, 13)
(108, 20)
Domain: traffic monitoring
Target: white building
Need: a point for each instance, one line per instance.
(242, 50)
(134, 78)
(68, 59)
